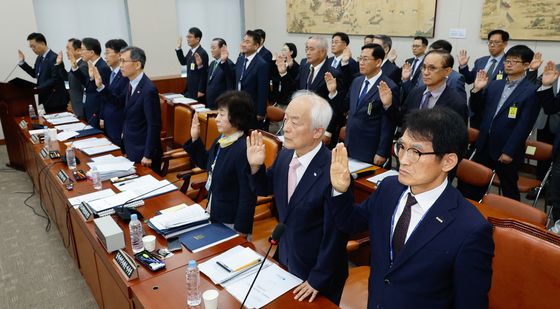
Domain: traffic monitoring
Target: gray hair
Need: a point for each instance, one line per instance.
(136, 54)
(321, 112)
(323, 42)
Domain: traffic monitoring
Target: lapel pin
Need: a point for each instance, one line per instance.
(315, 174)
(440, 220)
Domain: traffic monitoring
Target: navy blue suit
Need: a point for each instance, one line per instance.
(233, 202)
(480, 64)
(265, 54)
(449, 98)
(94, 99)
(196, 78)
(445, 263)
(311, 248)
(504, 134)
(218, 83)
(417, 75)
(454, 81)
(52, 93)
(349, 72)
(392, 71)
(112, 111)
(142, 124)
(255, 80)
(369, 128)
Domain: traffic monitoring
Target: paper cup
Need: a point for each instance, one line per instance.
(210, 298)
(149, 242)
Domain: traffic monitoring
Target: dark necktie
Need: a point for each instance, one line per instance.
(129, 90)
(113, 74)
(39, 66)
(490, 72)
(213, 67)
(364, 92)
(310, 77)
(414, 66)
(425, 100)
(243, 68)
(401, 229)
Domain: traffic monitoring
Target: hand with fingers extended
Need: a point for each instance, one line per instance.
(330, 80)
(21, 56)
(463, 58)
(97, 77)
(195, 128)
(346, 55)
(392, 56)
(536, 62)
(179, 42)
(224, 54)
(550, 74)
(91, 68)
(406, 71)
(256, 151)
(340, 175)
(481, 81)
(198, 60)
(281, 64)
(59, 58)
(304, 291)
(385, 95)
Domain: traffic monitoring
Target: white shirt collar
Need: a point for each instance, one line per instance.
(384, 60)
(373, 79)
(259, 49)
(96, 60)
(136, 81)
(498, 58)
(117, 69)
(427, 199)
(193, 50)
(318, 67)
(306, 159)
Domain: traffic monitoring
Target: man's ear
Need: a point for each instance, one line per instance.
(318, 133)
(449, 161)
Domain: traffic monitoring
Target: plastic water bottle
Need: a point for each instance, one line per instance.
(193, 284)
(136, 232)
(70, 158)
(556, 227)
(47, 139)
(32, 113)
(96, 178)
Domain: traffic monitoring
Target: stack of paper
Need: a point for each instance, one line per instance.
(58, 115)
(73, 127)
(378, 178)
(182, 219)
(220, 275)
(64, 135)
(355, 165)
(183, 100)
(171, 96)
(110, 166)
(62, 120)
(76, 201)
(94, 145)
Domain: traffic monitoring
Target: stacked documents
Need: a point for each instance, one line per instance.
(378, 178)
(63, 120)
(183, 100)
(178, 220)
(58, 115)
(73, 127)
(355, 165)
(110, 166)
(94, 145)
(171, 96)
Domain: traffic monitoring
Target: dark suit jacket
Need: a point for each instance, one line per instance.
(502, 134)
(142, 123)
(479, 64)
(551, 106)
(218, 83)
(196, 78)
(349, 72)
(369, 128)
(112, 111)
(392, 71)
(311, 247)
(94, 99)
(280, 94)
(455, 81)
(418, 73)
(445, 263)
(52, 92)
(255, 80)
(233, 201)
(265, 54)
(76, 89)
(449, 98)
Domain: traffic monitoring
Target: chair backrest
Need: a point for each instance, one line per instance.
(182, 121)
(355, 293)
(272, 145)
(474, 173)
(525, 268)
(517, 210)
(539, 151)
(473, 135)
(274, 114)
(342, 134)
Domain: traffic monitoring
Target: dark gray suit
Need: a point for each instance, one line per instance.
(76, 89)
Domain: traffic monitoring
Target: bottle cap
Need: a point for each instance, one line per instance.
(133, 217)
(192, 263)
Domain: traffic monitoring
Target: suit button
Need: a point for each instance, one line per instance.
(387, 281)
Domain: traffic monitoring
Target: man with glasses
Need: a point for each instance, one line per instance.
(435, 92)
(93, 99)
(142, 119)
(370, 99)
(431, 248)
(419, 46)
(509, 108)
(196, 77)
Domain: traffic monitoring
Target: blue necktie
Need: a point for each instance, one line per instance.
(113, 74)
(425, 100)
(39, 66)
(363, 93)
(242, 73)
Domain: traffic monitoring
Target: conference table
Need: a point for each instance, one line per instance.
(108, 285)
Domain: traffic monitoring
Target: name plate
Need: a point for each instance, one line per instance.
(85, 212)
(44, 153)
(62, 176)
(126, 265)
(34, 139)
(23, 124)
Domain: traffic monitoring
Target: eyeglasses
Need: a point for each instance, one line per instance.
(430, 68)
(511, 62)
(364, 59)
(412, 153)
(494, 42)
(121, 61)
(416, 46)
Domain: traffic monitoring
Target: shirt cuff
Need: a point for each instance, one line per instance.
(284, 74)
(328, 134)
(333, 96)
(336, 193)
(101, 88)
(21, 62)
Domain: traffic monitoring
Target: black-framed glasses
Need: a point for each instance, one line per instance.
(412, 153)
(123, 60)
(512, 61)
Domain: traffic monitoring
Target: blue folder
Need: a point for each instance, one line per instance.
(206, 236)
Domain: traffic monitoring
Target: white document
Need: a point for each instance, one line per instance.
(73, 127)
(272, 282)
(109, 163)
(113, 201)
(64, 135)
(378, 178)
(183, 100)
(202, 109)
(171, 96)
(91, 142)
(145, 184)
(90, 151)
(63, 120)
(58, 115)
(182, 216)
(76, 201)
(355, 165)
(37, 132)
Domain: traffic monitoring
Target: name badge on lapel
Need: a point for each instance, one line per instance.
(512, 114)
(499, 76)
(369, 108)
(192, 66)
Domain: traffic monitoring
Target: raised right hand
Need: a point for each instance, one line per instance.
(224, 54)
(331, 83)
(21, 56)
(72, 60)
(256, 151)
(463, 57)
(406, 71)
(197, 60)
(59, 58)
(550, 74)
(281, 64)
(340, 176)
(96, 76)
(195, 128)
(481, 80)
(179, 42)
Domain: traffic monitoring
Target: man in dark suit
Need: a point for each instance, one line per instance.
(250, 72)
(509, 108)
(419, 46)
(112, 110)
(196, 78)
(369, 129)
(218, 81)
(434, 91)
(262, 51)
(311, 248)
(430, 247)
(142, 114)
(52, 93)
(75, 88)
(492, 64)
(388, 68)
(91, 51)
(550, 100)
(339, 43)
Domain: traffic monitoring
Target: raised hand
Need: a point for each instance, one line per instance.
(179, 42)
(463, 57)
(481, 81)
(550, 74)
(256, 151)
(392, 56)
(281, 64)
(289, 59)
(346, 55)
(195, 128)
(59, 58)
(331, 83)
(340, 176)
(197, 60)
(406, 71)
(72, 60)
(96, 76)
(536, 62)
(385, 94)
(21, 56)
(224, 54)
(91, 69)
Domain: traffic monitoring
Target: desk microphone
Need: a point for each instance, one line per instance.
(357, 175)
(274, 239)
